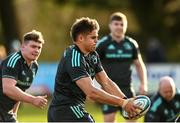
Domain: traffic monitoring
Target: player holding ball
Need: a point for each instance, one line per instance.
(79, 65)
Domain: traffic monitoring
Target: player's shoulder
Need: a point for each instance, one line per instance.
(157, 101)
(103, 40)
(178, 92)
(69, 51)
(73, 55)
(13, 59)
(35, 64)
(131, 40)
(177, 95)
(72, 51)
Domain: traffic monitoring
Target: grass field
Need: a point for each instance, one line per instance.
(29, 113)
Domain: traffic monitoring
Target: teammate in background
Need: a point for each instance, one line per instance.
(117, 53)
(2, 53)
(166, 103)
(77, 68)
(17, 72)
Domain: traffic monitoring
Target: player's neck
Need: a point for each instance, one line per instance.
(82, 49)
(28, 62)
(117, 38)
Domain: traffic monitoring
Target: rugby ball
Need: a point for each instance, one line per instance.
(143, 102)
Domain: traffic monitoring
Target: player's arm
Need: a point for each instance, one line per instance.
(17, 94)
(108, 85)
(142, 73)
(100, 95)
(16, 107)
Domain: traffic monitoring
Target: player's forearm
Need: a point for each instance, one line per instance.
(142, 72)
(17, 94)
(104, 97)
(108, 85)
(113, 89)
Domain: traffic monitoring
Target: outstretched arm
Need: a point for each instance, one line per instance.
(98, 94)
(108, 85)
(17, 94)
(102, 96)
(142, 73)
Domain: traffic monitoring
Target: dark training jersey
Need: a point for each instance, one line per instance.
(15, 67)
(117, 58)
(163, 111)
(73, 66)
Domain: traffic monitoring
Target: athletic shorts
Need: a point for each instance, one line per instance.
(107, 109)
(7, 117)
(66, 113)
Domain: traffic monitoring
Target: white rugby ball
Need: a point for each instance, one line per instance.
(143, 102)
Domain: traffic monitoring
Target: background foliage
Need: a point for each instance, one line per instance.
(146, 19)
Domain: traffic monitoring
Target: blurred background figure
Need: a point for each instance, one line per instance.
(15, 46)
(2, 53)
(76, 71)
(166, 103)
(144, 20)
(155, 52)
(118, 52)
(17, 72)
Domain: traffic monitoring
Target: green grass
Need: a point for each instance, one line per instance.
(29, 113)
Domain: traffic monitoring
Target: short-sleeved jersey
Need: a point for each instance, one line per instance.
(117, 58)
(73, 66)
(15, 67)
(162, 110)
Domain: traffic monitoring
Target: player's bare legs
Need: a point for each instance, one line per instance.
(111, 117)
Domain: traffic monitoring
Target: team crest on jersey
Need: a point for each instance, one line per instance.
(94, 59)
(23, 73)
(111, 47)
(127, 46)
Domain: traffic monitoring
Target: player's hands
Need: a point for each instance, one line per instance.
(40, 101)
(130, 108)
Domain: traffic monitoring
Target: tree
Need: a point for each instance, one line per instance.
(9, 23)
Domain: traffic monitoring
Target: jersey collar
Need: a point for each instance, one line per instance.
(78, 49)
(111, 39)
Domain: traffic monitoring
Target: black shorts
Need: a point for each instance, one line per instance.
(66, 113)
(107, 109)
(7, 117)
